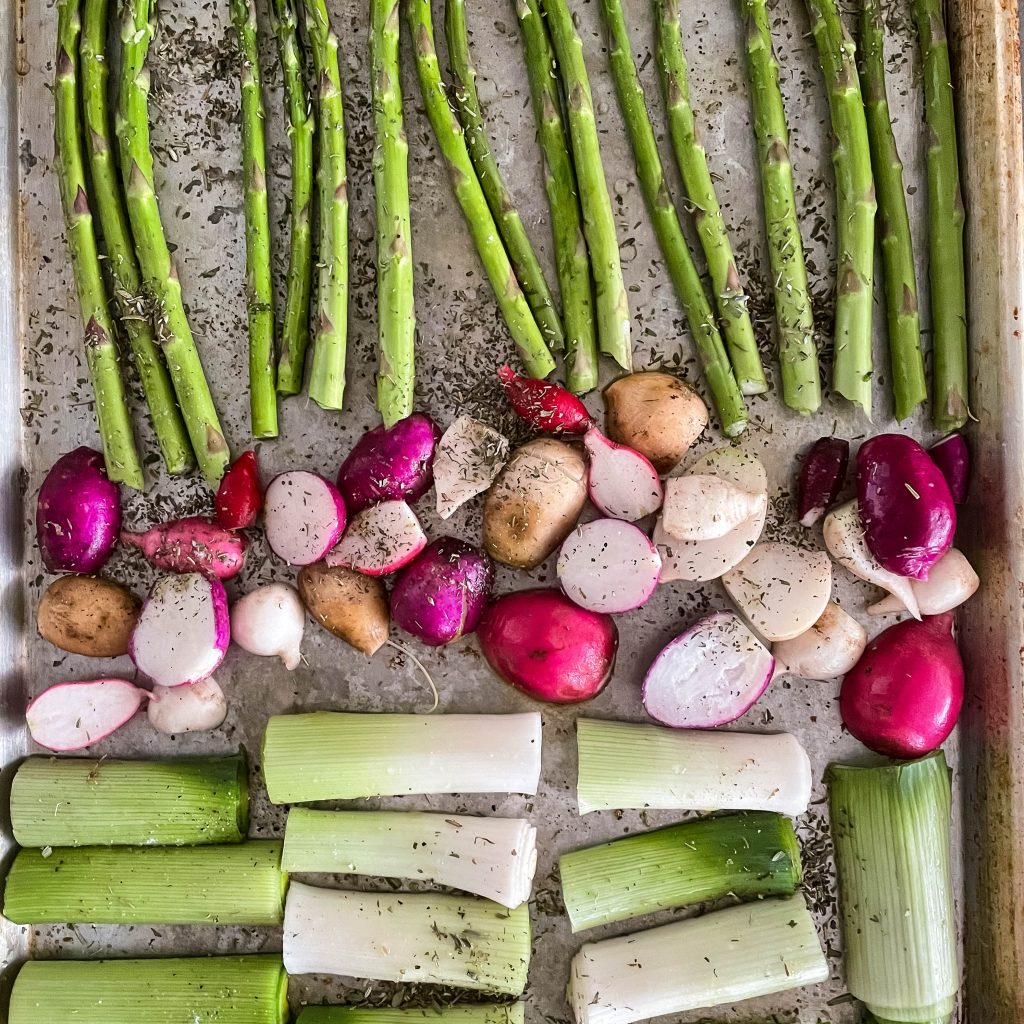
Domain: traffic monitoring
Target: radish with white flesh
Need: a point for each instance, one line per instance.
(270, 622)
(621, 482)
(781, 589)
(844, 538)
(303, 517)
(608, 566)
(174, 710)
(70, 716)
(183, 630)
(469, 456)
(709, 675)
(380, 540)
(703, 507)
(829, 649)
(950, 583)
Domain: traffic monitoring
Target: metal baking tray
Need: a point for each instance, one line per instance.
(45, 410)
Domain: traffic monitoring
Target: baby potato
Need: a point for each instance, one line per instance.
(87, 615)
(346, 603)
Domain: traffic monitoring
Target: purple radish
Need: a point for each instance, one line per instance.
(182, 631)
(709, 675)
(821, 478)
(194, 544)
(303, 517)
(608, 566)
(953, 458)
(380, 540)
(621, 482)
(70, 716)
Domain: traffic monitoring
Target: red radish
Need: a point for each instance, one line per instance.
(70, 716)
(269, 621)
(821, 478)
(303, 517)
(390, 463)
(239, 496)
(903, 697)
(194, 544)
(545, 406)
(953, 458)
(78, 513)
(709, 675)
(905, 506)
(622, 483)
(380, 540)
(548, 647)
(441, 595)
(703, 507)
(182, 631)
(174, 710)
(469, 456)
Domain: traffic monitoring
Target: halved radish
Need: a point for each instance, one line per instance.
(469, 456)
(622, 483)
(381, 539)
(608, 566)
(182, 631)
(781, 589)
(303, 517)
(70, 716)
(703, 507)
(828, 650)
(709, 675)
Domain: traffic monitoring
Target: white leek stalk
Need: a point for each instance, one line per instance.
(460, 1013)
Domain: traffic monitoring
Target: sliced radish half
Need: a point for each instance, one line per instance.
(622, 483)
(70, 716)
(380, 540)
(703, 507)
(303, 517)
(469, 456)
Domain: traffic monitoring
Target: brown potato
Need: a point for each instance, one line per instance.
(655, 413)
(346, 603)
(535, 502)
(87, 615)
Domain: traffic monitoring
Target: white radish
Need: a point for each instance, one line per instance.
(174, 710)
(829, 649)
(621, 482)
(709, 675)
(608, 566)
(270, 622)
(951, 581)
(703, 507)
(380, 540)
(183, 630)
(303, 517)
(468, 458)
(70, 716)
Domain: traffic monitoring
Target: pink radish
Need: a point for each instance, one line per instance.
(622, 483)
(194, 544)
(709, 675)
(821, 478)
(608, 566)
(182, 631)
(303, 517)
(544, 405)
(70, 716)
(380, 540)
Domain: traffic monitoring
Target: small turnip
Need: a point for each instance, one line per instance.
(269, 622)
(174, 710)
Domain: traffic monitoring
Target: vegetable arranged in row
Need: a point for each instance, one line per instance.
(457, 1013)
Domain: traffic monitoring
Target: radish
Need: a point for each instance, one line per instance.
(380, 540)
(193, 544)
(702, 507)
(70, 716)
(239, 496)
(829, 649)
(469, 456)
(608, 566)
(174, 710)
(270, 621)
(545, 406)
(953, 458)
(622, 483)
(709, 675)
(821, 478)
(182, 631)
(950, 583)
(303, 517)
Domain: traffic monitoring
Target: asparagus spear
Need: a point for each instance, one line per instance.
(946, 218)
(798, 358)
(452, 143)
(129, 303)
(598, 223)
(327, 379)
(517, 243)
(691, 158)
(855, 205)
(908, 382)
(396, 317)
(160, 277)
(571, 258)
(301, 125)
(685, 279)
(119, 451)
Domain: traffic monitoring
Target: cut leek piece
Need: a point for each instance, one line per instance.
(491, 857)
(622, 765)
(330, 755)
(461, 1013)
(745, 856)
(423, 937)
(79, 801)
(891, 830)
(188, 990)
(739, 953)
(238, 883)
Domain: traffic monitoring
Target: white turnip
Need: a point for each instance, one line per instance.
(269, 622)
(174, 710)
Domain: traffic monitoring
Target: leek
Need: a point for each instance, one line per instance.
(891, 830)
(491, 857)
(240, 883)
(422, 937)
(340, 756)
(622, 765)
(745, 856)
(739, 953)
(461, 1013)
